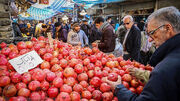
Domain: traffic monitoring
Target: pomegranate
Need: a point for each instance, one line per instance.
(127, 77)
(90, 88)
(6, 51)
(45, 65)
(21, 45)
(24, 92)
(9, 90)
(47, 56)
(68, 72)
(113, 77)
(126, 84)
(49, 99)
(26, 78)
(63, 63)
(4, 80)
(63, 96)
(12, 55)
(70, 81)
(3, 44)
(139, 89)
(97, 95)
(107, 96)
(98, 73)
(134, 83)
(90, 73)
(52, 92)
(58, 82)
(75, 96)
(3, 61)
(79, 68)
(44, 85)
(132, 89)
(35, 96)
(86, 94)
(41, 51)
(86, 62)
(56, 68)
(66, 88)
(34, 85)
(21, 98)
(95, 81)
(20, 85)
(50, 76)
(84, 84)
(38, 75)
(54, 61)
(73, 62)
(93, 58)
(105, 87)
(16, 77)
(83, 77)
(2, 98)
(78, 88)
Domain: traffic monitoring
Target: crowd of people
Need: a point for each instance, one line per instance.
(159, 39)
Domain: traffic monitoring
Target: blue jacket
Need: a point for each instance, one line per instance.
(164, 82)
(83, 38)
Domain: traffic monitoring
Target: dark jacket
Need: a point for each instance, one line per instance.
(164, 82)
(86, 29)
(62, 35)
(133, 43)
(94, 35)
(107, 43)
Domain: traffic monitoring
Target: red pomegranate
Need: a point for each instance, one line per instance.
(9, 90)
(126, 84)
(75, 96)
(26, 78)
(20, 85)
(63, 63)
(68, 72)
(86, 62)
(107, 96)
(34, 85)
(84, 84)
(45, 65)
(3, 61)
(66, 88)
(97, 95)
(56, 68)
(86, 94)
(132, 89)
(4, 80)
(16, 77)
(38, 75)
(54, 61)
(47, 56)
(35, 96)
(78, 88)
(79, 68)
(90, 73)
(24, 92)
(82, 77)
(73, 62)
(6, 51)
(90, 88)
(127, 77)
(58, 82)
(113, 77)
(63, 96)
(71, 81)
(44, 85)
(3, 44)
(95, 81)
(139, 89)
(21, 45)
(134, 83)
(50, 76)
(105, 87)
(52, 92)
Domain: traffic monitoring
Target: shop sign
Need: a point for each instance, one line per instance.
(26, 62)
(46, 2)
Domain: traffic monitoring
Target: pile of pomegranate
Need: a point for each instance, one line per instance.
(67, 73)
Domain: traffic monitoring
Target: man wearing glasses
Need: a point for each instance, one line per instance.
(132, 40)
(163, 27)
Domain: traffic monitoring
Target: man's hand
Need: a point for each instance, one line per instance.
(111, 83)
(132, 71)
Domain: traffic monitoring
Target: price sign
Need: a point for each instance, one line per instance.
(26, 62)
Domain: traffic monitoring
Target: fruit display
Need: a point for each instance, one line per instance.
(67, 73)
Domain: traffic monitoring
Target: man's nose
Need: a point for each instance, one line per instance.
(150, 39)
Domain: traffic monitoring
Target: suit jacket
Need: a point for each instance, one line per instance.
(133, 43)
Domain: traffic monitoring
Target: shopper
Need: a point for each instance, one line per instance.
(132, 40)
(164, 29)
(107, 42)
(60, 33)
(29, 30)
(73, 36)
(86, 27)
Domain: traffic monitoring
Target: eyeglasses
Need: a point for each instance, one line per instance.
(153, 31)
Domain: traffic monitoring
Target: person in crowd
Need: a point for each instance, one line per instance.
(163, 85)
(65, 26)
(77, 36)
(112, 24)
(121, 32)
(29, 30)
(141, 25)
(22, 26)
(60, 33)
(109, 19)
(95, 34)
(43, 31)
(107, 42)
(85, 27)
(51, 28)
(16, 29)
(38, 28)
(132, 40)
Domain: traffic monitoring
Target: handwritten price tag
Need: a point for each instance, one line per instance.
(26, 62)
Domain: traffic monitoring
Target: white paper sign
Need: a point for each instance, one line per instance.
(26, 62)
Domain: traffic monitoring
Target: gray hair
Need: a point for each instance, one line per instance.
(165, 15)
(128, 16)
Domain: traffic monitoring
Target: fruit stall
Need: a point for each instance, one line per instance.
(66, 73)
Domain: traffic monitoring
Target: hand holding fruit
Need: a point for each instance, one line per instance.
(111, 83)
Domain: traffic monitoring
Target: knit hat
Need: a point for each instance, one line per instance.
(75, 25)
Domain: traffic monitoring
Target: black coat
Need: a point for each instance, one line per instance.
(164, 82)
(133, 43)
